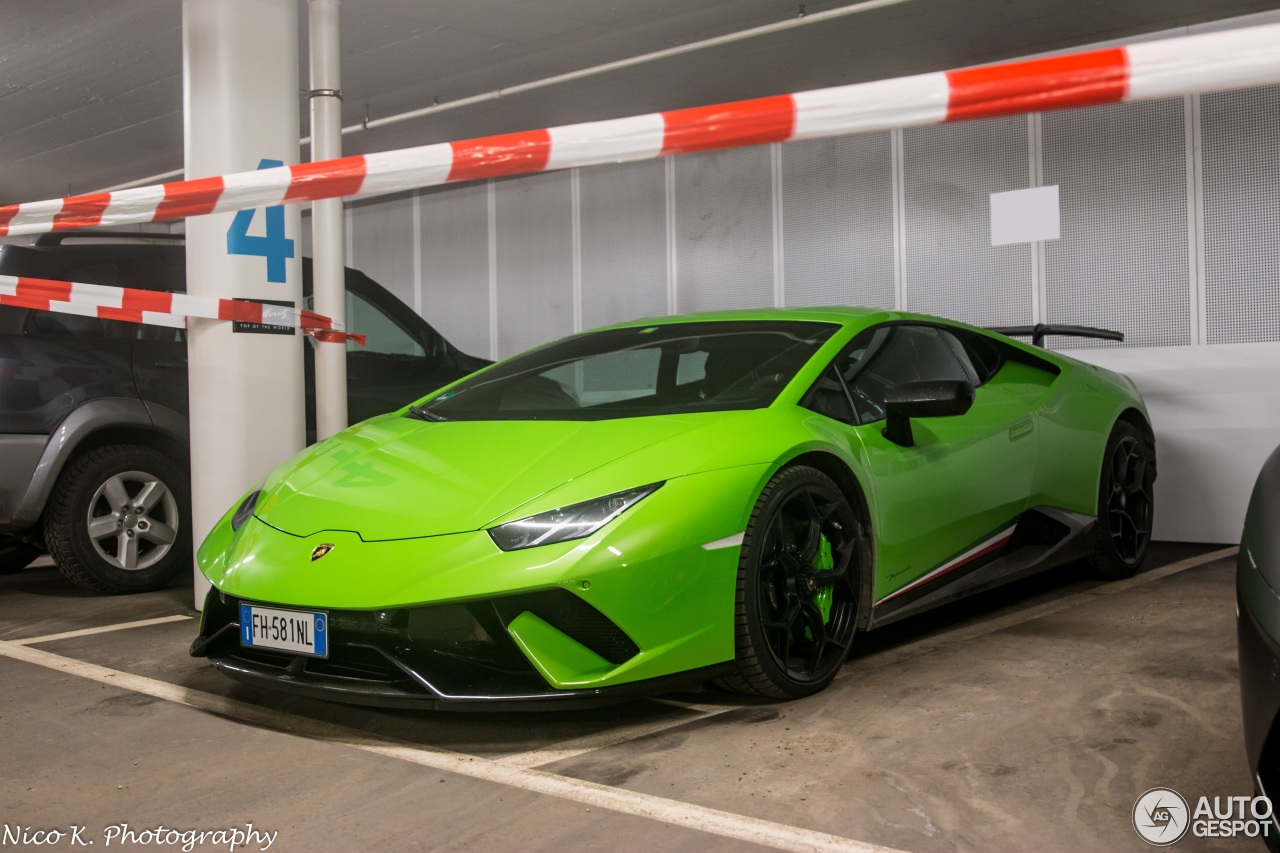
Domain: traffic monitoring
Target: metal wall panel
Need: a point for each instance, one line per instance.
(534, 226)
(1240, 134)
(624, 242)
(453, 239)
(949, 173)
(1123, 259)
(382, 244)
(724, 230)
(837, 215)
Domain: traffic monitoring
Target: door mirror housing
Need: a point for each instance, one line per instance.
(929, 398)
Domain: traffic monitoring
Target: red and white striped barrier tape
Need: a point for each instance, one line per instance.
(1158, 69)
(159, 308)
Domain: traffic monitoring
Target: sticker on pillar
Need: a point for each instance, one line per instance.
(274, 245)
(277, 319)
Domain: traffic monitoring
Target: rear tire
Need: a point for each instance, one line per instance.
(1126, 506)
(118, 520)
(799, 585)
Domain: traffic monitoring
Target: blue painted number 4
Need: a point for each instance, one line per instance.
(275, 247)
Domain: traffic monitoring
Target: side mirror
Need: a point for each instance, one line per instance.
(929, 398)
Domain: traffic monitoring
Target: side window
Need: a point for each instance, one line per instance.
(828, 397)
(385, 335)
(899, 354)
(982, 353)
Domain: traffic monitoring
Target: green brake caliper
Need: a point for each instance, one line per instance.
(823, 562)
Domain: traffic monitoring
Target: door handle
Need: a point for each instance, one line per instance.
(1020, 429)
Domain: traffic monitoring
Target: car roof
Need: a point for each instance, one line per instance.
(844, 315)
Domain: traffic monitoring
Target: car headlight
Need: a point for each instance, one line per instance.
(244, 512)
(568, 522)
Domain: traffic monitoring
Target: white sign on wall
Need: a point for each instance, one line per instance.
(1024, 216)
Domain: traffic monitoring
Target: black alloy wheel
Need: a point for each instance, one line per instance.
(799, 582)
(1126, 505)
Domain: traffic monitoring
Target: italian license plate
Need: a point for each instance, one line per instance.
(303, 632)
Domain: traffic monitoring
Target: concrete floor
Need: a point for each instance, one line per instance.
(1029, 718)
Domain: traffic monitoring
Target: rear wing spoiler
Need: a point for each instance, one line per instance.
(1040, 331)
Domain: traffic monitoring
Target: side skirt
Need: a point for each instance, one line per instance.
(1043, 537)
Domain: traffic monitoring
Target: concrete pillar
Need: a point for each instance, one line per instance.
(240, 102)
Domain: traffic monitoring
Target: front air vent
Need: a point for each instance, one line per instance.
(574, 617)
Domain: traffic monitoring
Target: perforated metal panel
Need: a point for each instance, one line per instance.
(454, 241)
(1240, 134)
(949, 173)
(382, 243)
(837, 215)
(624, 242)
(724, 230)
(534, 261)
(1123, 260)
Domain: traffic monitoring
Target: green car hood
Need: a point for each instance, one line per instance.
(395, 477)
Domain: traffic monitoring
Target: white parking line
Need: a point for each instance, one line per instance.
(687, 815)
(599, 740)
(103, 629)
(691, 706)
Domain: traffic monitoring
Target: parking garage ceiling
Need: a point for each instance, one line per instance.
(91, 92)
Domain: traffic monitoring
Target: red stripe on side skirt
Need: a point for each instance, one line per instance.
(929, 578)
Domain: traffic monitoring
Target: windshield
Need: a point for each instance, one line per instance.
(644, 370)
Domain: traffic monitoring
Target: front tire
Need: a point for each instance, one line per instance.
(119, 520)
(799, 583)
(1126, 505)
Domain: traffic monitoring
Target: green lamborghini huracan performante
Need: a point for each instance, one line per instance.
(729, 497)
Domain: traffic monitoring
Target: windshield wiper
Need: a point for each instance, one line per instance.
(423, 413)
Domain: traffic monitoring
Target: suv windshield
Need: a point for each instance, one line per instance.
(644, 370)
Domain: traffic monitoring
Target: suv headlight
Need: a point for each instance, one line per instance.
(244, 512)
(576, 521)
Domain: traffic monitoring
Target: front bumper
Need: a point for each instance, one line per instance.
(456, 656)
(1258, 629)
(636, 607)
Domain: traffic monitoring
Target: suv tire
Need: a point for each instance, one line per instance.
(118, 520)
